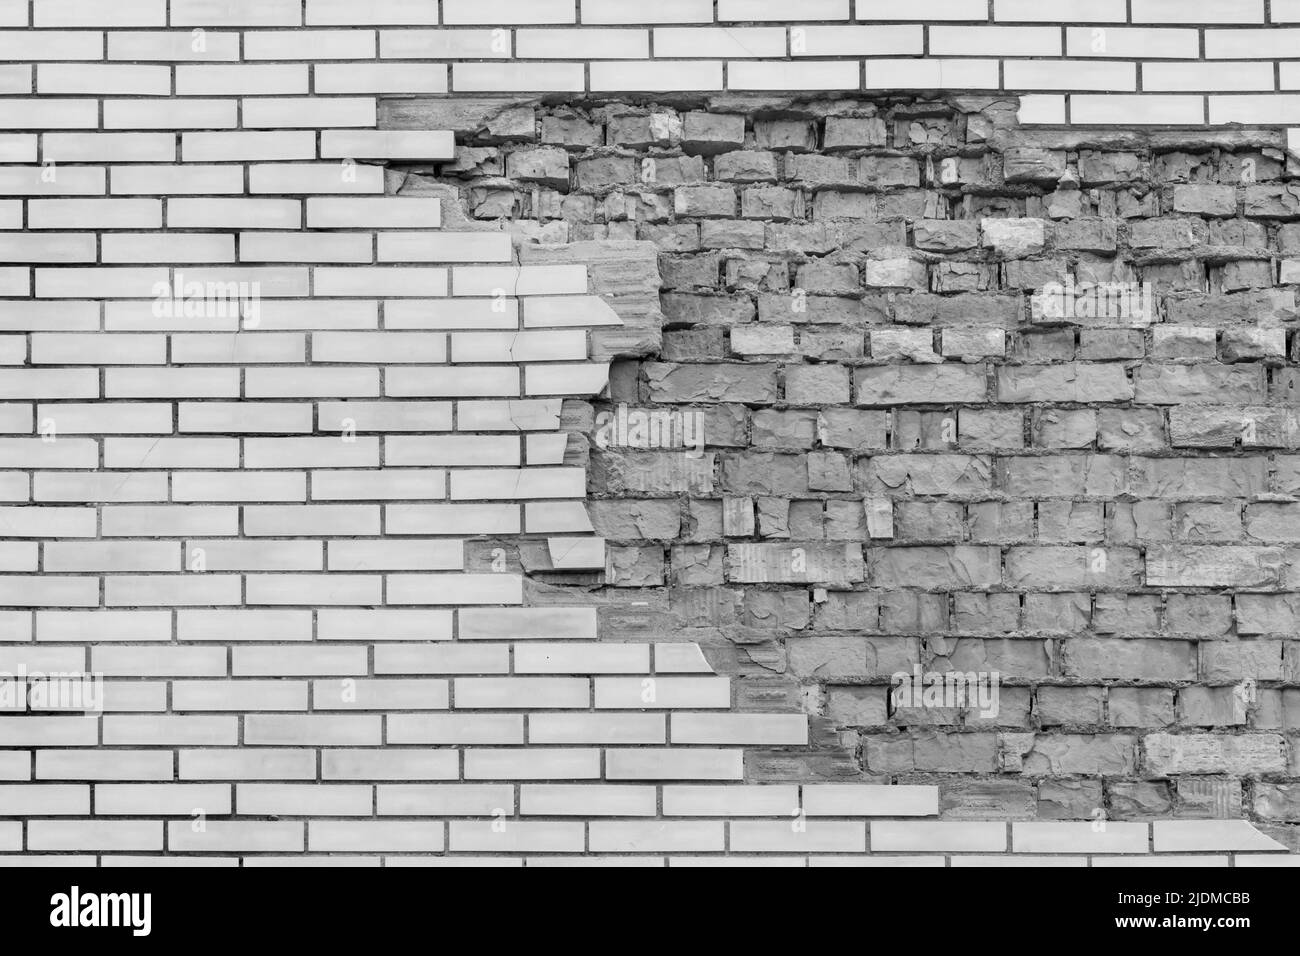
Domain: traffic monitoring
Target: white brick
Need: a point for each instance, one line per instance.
(387, 144)
(1018, 861)
(14, 13)
(1263, 109)
(895, 836)
(1069, 76)
(1043, 108)
(622, 729)
(1137, 110)
(520, 77)
(1286, 11)
(374, 836)
(719, 42)
(496, 12)
(60, 247)
(176, 46)
(1053, 837)
(696, 763)
(173, 115)
(579, 44)
(237, 836)
(445, 800)
(444, 247)
(156, 247)
(1196, 77)
(49, 114)
(932, 74)
(257, 764)
(234, 146)
(310, 45)
(25, 45)
(176, 180)
(1165, 859)
(222, 13)
(1251, 44)
(17, 148)
(242, 624)
(442, 45)
(1198, 11)
(241, 79)
(778, 836)
(455, 729)
(726, 801)
(299, 178)
(665, 11)
(93, 835)
(380, 78)
(379, 281)
(162, 730)
(371, 765)
(526, 836)
(99, 213)
(1181, 836)
(392, 625)
(345, 12)
(519, 280)
(843, 40)
(382, 213)
(164, 800)
(15, 78)
(802, 75)
(305, 247)
(330, 800)
(923, 10)
(103, 765)
(995, 41)
(87, 13)
(549, 763)
(1289, 75)
(29, 181)
(587, 800)
(745, 10)
(309, 113)
(114, 78)
(522, 692)
(313, 730)
(234, 213)
(1057, 11)
(582, 659)
(112, 147)
(626, 836)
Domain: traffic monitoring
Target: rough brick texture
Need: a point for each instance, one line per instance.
(921, 448)
(320, 525)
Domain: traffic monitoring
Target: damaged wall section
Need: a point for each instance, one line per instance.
(1013, 403)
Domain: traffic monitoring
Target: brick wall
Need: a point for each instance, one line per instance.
(1094, 507)
(320, 531)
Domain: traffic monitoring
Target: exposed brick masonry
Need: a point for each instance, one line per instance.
(849, 300)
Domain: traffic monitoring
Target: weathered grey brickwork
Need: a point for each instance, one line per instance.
(913, 457)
